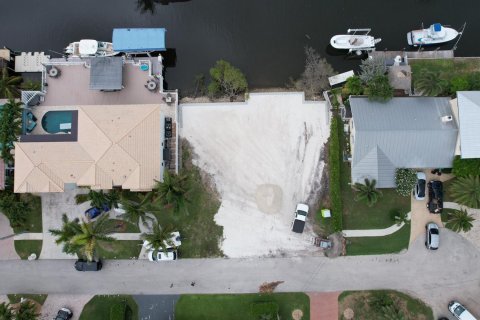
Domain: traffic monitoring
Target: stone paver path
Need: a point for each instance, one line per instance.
(7, 247)
(323, 305)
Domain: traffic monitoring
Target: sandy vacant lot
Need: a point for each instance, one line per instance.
(264, 156)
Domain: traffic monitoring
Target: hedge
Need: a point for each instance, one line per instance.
(334, 159)
(466, 167)
(405, 180)
(118, 311)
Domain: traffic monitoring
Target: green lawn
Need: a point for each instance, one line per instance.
(393, 243)
(357, 215)
(98, 308)
(120, 249)
(237, 306)
(15, 298)
(201, 236)
(26, 247)
(34, 218)
(368, 304)
(122, 226)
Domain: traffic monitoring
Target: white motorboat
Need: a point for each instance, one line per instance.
(90, 48)
(354, 42)
(435, 34)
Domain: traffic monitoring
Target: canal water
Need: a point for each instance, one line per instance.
(264, 38)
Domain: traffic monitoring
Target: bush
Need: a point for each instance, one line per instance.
(405, 180)
(466, 167)
(265, 310)
(459, 83)
(334, 161)
(118, 311)
(353, 86)
(474, 80)
(14, 208)
(371, 68)
(226, 80)
(379, 88)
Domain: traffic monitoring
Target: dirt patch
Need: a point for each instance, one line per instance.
(269, 198)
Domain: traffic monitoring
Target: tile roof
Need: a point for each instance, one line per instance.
(117, 146)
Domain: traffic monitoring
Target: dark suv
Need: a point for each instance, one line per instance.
(435, 196)
(83, 265)
(64, 314)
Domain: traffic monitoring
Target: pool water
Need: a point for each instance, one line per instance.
(52, 119)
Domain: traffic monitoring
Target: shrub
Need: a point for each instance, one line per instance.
(460, 220)
(405, 180)
(429, 83)
(334, 161)
(466, 191)
(265, 310)
(14, 208)
(353, 86)
(466, 167)
(379, 300)
(379, 88)
(459, 83)
(227, 80)
(474, 80)
(118, 311)
(371, 68)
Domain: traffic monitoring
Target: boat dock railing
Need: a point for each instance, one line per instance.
(435, 54)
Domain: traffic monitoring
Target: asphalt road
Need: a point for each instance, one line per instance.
(452, 272)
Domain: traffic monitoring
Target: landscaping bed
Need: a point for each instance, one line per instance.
(120, 249)
(238, 306)
(100, 308)
(378, 305)
(33, 222)
(393, 243)
(122, 226)
(26, 247)
(15, 298)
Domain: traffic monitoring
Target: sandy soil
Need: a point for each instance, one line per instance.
(264, 156)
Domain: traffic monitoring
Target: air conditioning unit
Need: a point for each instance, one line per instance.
(151, 85)
(53, 72)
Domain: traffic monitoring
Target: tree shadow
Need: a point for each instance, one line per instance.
(150, 5)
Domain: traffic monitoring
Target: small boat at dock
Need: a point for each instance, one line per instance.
(435, 34)
(90, 48)
(356, 40)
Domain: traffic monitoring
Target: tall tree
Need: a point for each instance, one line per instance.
(6, 312)
(173, 190)
(429, 83)
(137, 211)
(159, 237)
(466, 191)
(9, 84)
(367, 192)
(10, 127)
(65, 235)
(93, 234)
(27, 310)
(227, 80)
(460, 220)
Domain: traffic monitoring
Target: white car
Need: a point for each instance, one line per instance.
(175, 238)
(301, 213)
(459, 311)
(159, 255)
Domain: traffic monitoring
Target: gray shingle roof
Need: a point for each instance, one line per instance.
(106, 73)
(469, 120)
(401, 133)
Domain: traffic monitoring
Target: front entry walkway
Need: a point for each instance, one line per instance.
(324, 305)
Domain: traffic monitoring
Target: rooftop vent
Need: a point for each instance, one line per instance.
(53, 72)
(446, 119)
(151, 85)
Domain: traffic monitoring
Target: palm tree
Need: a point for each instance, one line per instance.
(9, 84)
(6, 311)
(99, 198)
(65, 235)
(27, 311)
(92, 235)
(159, 237)
(367, 192)
(173, 190)
(10, 127)
(466, 191)
(137, 211)
(429, 83)
(460, 220)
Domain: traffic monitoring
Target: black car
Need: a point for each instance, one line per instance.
(64, 314)
(435, 196)
(83, 265)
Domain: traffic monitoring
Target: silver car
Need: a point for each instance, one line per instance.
(419, 191)
(432, 238)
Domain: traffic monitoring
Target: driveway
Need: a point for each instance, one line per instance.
(56, 301)
(265, 157)
(435, 276)
(156, 307)
(7, 247)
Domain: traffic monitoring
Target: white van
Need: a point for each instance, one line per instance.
(459, 311)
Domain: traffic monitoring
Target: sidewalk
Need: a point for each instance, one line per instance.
(374, 232)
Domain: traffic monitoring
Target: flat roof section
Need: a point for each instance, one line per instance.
(106, 73)
(139, 39)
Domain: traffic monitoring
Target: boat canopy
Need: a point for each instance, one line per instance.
(437, 27)
(88, 47)
(138, 39)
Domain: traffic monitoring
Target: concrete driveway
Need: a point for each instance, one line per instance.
(265, 157)
(56, 301)
(434, 276)
(7, 247)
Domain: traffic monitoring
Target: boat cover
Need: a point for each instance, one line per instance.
(139, 39)
(437, 27)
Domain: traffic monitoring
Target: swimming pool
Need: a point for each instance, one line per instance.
(57, 121)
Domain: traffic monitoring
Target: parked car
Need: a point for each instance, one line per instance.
(83, 265)
(94, 212)
(64, 314)
(175, 238)
(459, 311)
(301, 214)
(435, 196)
(432, 236)
(420, 187)
(159, 255)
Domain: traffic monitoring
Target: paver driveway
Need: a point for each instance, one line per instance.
(437, 277)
